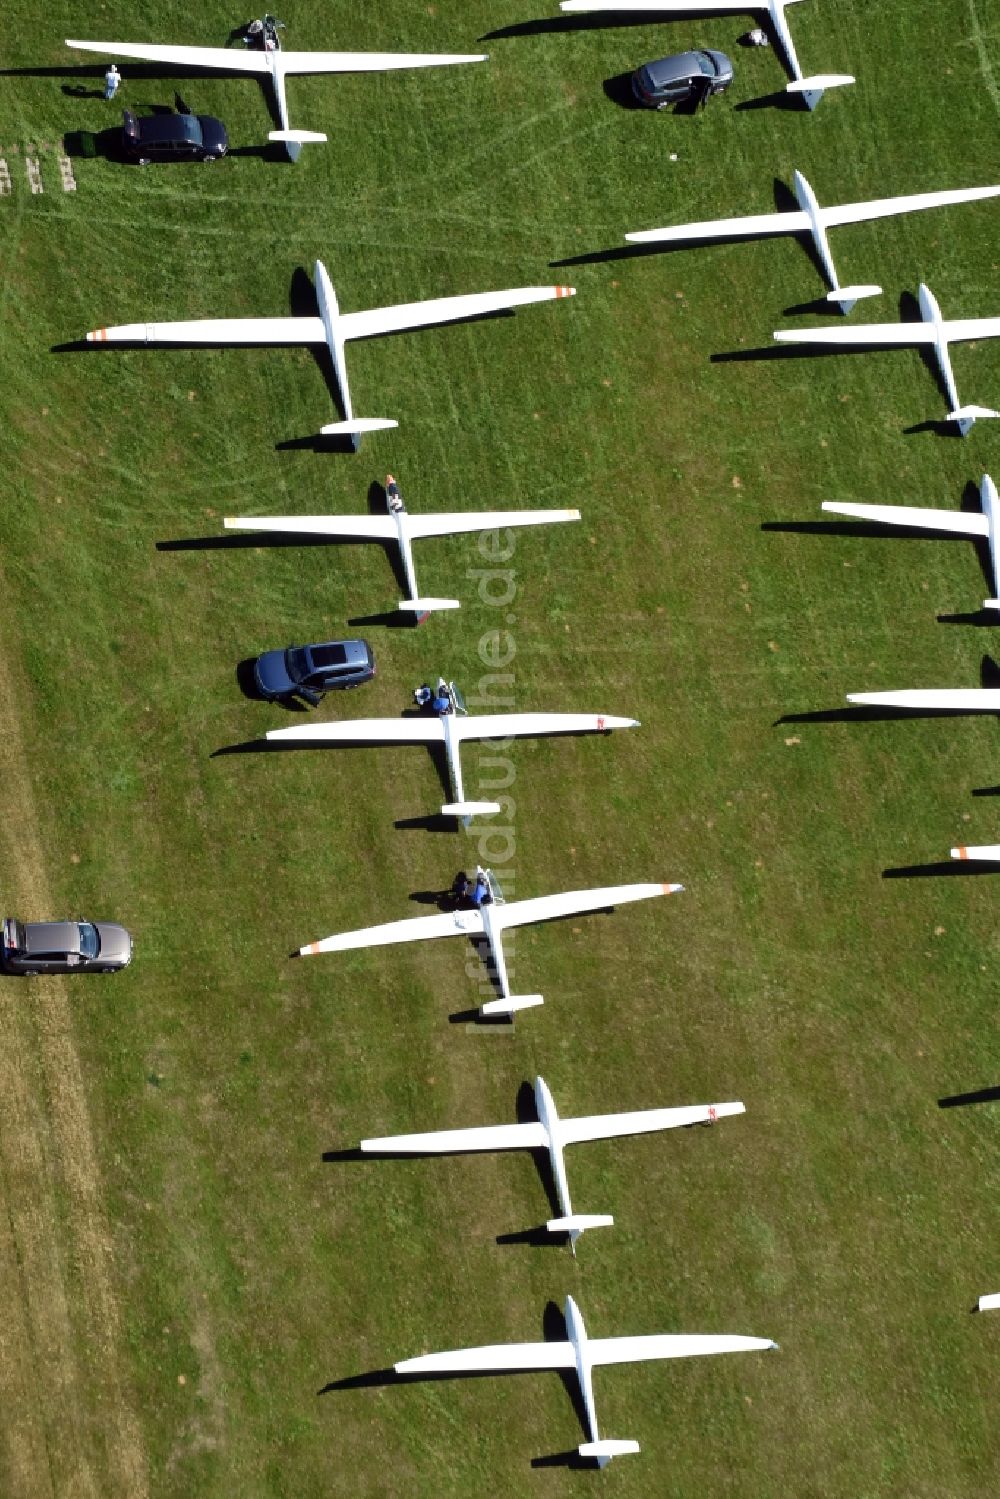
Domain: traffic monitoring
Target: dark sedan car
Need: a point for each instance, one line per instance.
(310, 670)
(679, 80)
(173, 137)
(64, 946)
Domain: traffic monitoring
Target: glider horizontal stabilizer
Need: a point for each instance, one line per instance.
(297, 137)
(578, 1223)
(510, 1003)
(813, 89)
(470, 809)
(852, 294)
(427, 606)
(967, 416)
(608, 1448)
(357, 425)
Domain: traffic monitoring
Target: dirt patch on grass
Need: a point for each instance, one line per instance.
(69, 1426)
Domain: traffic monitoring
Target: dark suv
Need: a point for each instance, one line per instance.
(64, 946)
(679, 80)
(310, 670)
(170, 137)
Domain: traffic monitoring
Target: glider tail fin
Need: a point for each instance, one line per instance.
(605, 1450)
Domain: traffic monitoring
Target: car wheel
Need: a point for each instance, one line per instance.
(664, 105)
(144, 161)
(208, 158)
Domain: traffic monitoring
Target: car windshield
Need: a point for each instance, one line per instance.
(297, 663)
(90, 943)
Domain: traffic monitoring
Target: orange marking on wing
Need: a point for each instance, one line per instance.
(963, 853)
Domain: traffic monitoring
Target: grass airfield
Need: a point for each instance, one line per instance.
(187, 1272)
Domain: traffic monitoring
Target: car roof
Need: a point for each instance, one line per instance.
(681, 65)
(155, 130)
(51, 936)
(340, 653)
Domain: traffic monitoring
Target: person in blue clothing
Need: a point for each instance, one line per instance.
(479, 893)
(441, 701)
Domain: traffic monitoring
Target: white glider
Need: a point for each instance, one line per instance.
(815, 221)
(932, 332)
(450, 729)
(583, 1354)
(489, 922)
(934, 699)
(553, 1134)
(332, 328)
(811, 89)
(953, 522)
(276, 64)
(987, 1303)
(403, 528)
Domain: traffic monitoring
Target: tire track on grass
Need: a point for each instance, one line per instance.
(978, 40)
(68, 1427)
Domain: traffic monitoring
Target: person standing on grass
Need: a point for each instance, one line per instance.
(112, 82)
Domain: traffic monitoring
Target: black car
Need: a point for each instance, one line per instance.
(173, 137)
(310, 670)
(64, 946)
(680, 79)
